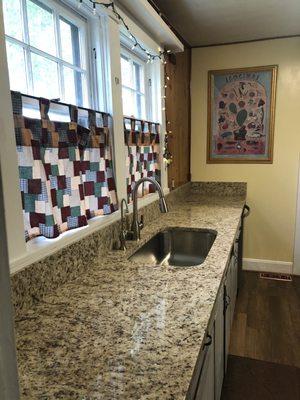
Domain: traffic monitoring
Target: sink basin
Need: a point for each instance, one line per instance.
(177, 247)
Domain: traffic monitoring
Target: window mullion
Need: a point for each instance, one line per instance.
(28, 64)
(133, 83)
(148, 93)
(25, 21)
(59, 55)
(61, 82)
(129, 88)
(30, 86)
(49, 56)
(81, 72)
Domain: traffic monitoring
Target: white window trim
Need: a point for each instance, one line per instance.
(108, 47)
(153, 74)
(133, 57)
(57, 10)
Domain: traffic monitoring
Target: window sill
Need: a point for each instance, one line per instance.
(40, 247)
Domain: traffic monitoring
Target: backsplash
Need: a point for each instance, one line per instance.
(32, 283)
(220, 188)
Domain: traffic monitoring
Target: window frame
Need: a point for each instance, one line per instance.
(103, 66)
(135, 57)
(67, 14)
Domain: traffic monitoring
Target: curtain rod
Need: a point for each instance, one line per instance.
(87, 109)
(64, 104)
(139, 119)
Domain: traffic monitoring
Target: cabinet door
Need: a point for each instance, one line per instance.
(234, 275)
(230, 290)
(228, 296)
(231, 287)
(219, 344)
(236, 262)
(227, 319)
(206, 385)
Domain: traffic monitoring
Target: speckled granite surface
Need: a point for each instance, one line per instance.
(123, 330)
(40, 278)
(220, 188)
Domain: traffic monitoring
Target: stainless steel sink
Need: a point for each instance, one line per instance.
(177, 247)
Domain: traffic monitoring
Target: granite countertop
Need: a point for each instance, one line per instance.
(128, 331)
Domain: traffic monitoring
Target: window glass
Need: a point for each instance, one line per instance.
(140, 104)
(69, 34)
(48, 61)
(16, 67)
(83, 100)
(13, 18)
(41, 27)
(128, 102)
(41, 68)
(126, 72)
(133, 86)
(138, 77)
(69, 81)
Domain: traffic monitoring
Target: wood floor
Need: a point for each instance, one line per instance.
(249, 379)
(267, 320)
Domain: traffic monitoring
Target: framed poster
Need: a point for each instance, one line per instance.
(241, 108)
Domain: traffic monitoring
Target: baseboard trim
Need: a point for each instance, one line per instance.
(252, 264)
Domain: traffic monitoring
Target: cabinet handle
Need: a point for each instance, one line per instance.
(209, 342)
(227, 300)
(245, 214)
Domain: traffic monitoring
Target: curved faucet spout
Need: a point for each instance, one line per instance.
(136, 225)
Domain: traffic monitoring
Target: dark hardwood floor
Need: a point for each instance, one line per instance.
(266, 323)
(264, 360)
(249, 379)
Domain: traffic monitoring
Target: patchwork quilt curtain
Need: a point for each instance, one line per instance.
(55, 165)
(142, 141)
(96, 165)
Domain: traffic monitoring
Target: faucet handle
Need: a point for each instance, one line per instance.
(141, 223)
(122, 238)
(126, 221)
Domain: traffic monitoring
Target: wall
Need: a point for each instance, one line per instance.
(8, 159)
(178, 114)
(272, 187)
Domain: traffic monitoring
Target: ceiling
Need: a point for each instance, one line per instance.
(208, 22)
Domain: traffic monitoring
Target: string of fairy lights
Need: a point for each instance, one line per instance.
(162, 56)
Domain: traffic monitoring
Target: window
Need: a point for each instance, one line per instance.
(46, 50)
(134, 94)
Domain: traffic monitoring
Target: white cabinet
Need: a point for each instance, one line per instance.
(209, 372)
(219, 344)
(211, 368)
(206, 384)
(230, 293)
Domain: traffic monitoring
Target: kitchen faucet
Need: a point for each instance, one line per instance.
(124, 231)
(136, 224)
